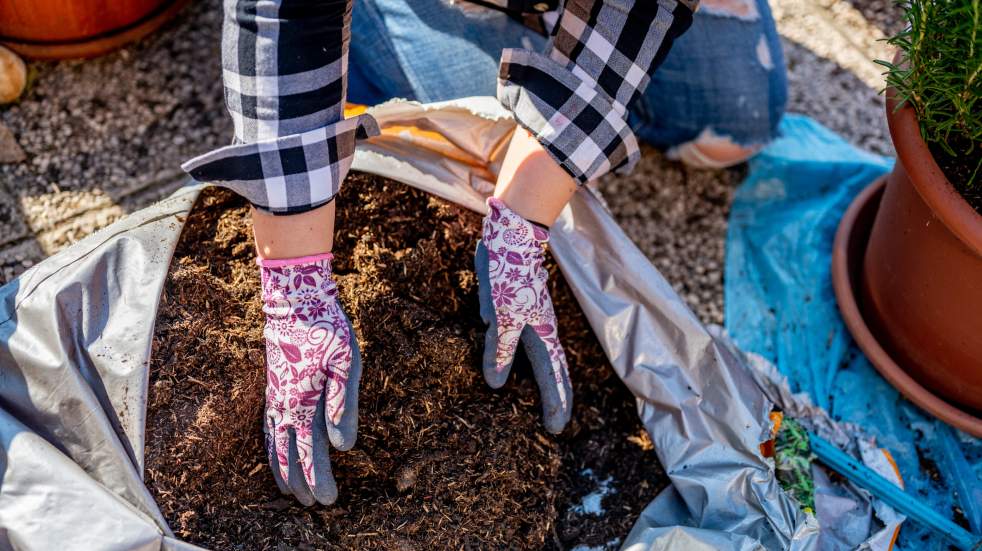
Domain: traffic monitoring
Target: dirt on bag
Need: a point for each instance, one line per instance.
(442, 461)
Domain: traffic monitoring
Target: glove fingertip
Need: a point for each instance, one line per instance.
(342, 430)
(343, 434)
(328, 495)
(552, 378)
(495, 376)
(305, 499)
(324, 488)
(557, 409)
(555, 420)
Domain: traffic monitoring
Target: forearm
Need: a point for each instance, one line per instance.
(531, 182)
(298, 235)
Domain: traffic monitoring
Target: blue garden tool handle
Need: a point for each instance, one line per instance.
(890, 493)
(967, 486)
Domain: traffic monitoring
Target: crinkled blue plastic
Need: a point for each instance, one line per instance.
(780, 304)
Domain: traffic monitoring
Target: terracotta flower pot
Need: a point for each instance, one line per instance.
(921, 290)
(50, 29)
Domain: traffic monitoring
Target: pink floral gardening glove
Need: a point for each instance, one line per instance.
(515, 303)
(312, 372)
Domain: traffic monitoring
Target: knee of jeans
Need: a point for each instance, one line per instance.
(711, 150)
(747, 98)
(736, 123)
(730, 124)
(747, 115)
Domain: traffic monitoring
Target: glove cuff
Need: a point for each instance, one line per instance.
(286, 262)
(291, 285)
(509, 227)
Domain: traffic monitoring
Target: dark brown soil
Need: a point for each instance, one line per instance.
(960, 169)
(442, 461)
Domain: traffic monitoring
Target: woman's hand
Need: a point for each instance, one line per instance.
(513, 284)
(515, 304)
(312, 372)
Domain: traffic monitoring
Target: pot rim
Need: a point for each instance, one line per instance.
(930, 182)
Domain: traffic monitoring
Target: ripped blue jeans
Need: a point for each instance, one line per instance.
(723, 81)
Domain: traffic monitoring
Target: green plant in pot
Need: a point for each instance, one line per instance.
(940, 75)
(918, 277)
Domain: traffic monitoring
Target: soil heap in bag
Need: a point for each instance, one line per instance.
(442, 460)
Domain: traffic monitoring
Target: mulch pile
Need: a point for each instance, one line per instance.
(442, 461)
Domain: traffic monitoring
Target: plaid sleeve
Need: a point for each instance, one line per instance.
(574, 98)
(284, 66)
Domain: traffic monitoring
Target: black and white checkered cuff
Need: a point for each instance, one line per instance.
(575, 120)
(289, 174)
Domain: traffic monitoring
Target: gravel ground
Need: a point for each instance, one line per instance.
(885, 15)
(105, 137)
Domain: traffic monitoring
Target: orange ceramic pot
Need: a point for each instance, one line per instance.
(49, 29)
(921, 288)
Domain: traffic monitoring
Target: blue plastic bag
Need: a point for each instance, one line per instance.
(780, 304)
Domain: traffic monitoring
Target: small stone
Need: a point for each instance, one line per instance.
(13, 76)
(406, 478)
(10, 150)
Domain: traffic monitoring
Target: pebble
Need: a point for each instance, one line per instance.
(406, 478)
(10, 150)
(13, 76)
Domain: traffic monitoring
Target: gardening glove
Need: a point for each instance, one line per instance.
(516, 306)
(312, 372)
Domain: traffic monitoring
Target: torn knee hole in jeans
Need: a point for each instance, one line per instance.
(740, 9)
(712, 150)
(764, 53)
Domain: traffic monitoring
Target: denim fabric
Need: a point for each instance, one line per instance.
(713, 77)
(428, 50)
